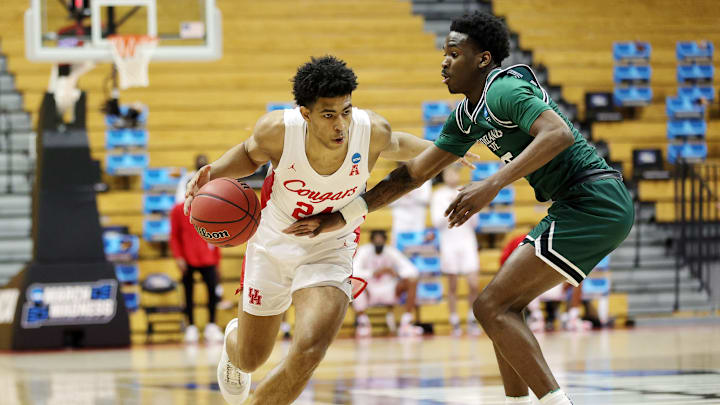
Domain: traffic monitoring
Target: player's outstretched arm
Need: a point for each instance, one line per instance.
(242, 160)
(400, 181)
(552, 136)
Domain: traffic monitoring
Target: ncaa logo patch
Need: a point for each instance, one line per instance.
(356, 158)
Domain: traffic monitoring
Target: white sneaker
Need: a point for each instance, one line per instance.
(456, 330)
(409, 330)
(363, 331)
(474, 329)
(191, 334)
(234, 384)
(212, 333)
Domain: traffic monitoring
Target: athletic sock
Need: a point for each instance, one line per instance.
(406, 318)
(285, 327)
(471, 317)
(454, 319)
(519, 400)
(363, 319)
(574, 313)
(557, 397)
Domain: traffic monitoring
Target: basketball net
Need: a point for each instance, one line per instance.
(132, 54)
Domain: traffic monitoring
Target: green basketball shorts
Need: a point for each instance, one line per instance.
(585, 223)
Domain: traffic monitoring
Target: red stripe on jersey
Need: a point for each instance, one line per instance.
(266, 190)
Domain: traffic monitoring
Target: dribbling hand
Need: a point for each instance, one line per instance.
(200, 178)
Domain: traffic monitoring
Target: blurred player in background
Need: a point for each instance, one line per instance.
(389, 274)
(458, 249)
(322, 153)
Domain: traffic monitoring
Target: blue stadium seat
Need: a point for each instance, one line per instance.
(432, 132)
(429, 291)
(495, 222)
(685, 128)
(596, 286)
(427, 265)
(126, 164)
(483, 170)
(127, 273)
(697, 92)
(125, 138)
(631, 51)
(132, 301)
(693, 51)
(158, 203)
(406, 239)
(695, 73)
(162, 178)
(274, 106)
(604, 264)
(435, 112)
(693, 152)
(682, 107)
(632, 96)
(505, 196)
(156, 230)
(111, 119)
(120, 247)
(631, 74)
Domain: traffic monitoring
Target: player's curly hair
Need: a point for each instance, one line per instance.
(487, 32)
(327, 76)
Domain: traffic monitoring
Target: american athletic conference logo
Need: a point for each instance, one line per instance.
(355, 159)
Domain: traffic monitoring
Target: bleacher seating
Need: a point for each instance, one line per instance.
(631, 52)
(162, 178)
(158, 203)
(156, 229)
(124, 138)
(435, 112)
(694, 52)
(120, 247)
(695, 73)
(632, 96)
(691, 152)
(432, 132)
(683, 107)
(126, 164)
(695, 93)
(427, 264)
(495, 222)
(127, 273)
(506, 196)
(428, 292)
(686, 128)
(483, 170)
(632, 74)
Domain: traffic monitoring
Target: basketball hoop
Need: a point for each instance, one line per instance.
(132, 54)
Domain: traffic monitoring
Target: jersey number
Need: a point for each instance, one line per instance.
(305, 210)
(507, 158)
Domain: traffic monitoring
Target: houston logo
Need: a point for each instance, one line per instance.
(212, 235)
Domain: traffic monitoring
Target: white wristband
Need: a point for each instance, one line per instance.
(355, 209)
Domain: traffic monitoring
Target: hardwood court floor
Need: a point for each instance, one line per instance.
(678, 365)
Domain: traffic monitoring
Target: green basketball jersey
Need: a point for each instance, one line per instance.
(509, 105)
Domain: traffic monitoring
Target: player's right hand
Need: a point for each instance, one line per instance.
(200, 178)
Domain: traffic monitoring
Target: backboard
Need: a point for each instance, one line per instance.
(78, 30)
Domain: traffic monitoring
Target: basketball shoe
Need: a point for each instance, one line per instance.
(234, 384)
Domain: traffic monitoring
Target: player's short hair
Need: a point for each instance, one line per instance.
(487, 32)
(327, 76)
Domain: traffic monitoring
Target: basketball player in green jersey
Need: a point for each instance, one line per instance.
(592, 213)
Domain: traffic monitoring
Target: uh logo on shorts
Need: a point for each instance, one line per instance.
(255, 297)
(355, 159)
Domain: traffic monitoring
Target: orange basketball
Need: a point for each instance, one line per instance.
(225, 212)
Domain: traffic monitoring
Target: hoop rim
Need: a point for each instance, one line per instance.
(120, 43)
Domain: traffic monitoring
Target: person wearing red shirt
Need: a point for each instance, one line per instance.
(193, 254)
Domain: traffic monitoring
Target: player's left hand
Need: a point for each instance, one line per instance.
(315, 225)
(469, 160)
(472, 198)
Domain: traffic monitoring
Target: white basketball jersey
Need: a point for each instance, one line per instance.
(294, 190)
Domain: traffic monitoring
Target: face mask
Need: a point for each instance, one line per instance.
(379, 249)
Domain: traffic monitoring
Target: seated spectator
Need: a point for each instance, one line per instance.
(389, 275)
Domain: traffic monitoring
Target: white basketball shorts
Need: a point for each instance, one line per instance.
(459, 258)
(277, 264)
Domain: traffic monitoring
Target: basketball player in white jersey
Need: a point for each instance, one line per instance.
(458, 249)
(322, 153)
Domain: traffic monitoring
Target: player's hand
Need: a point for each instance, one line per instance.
(315, 225)
(181, 263)
(471, 199)
(469, 160)
(200, 178)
